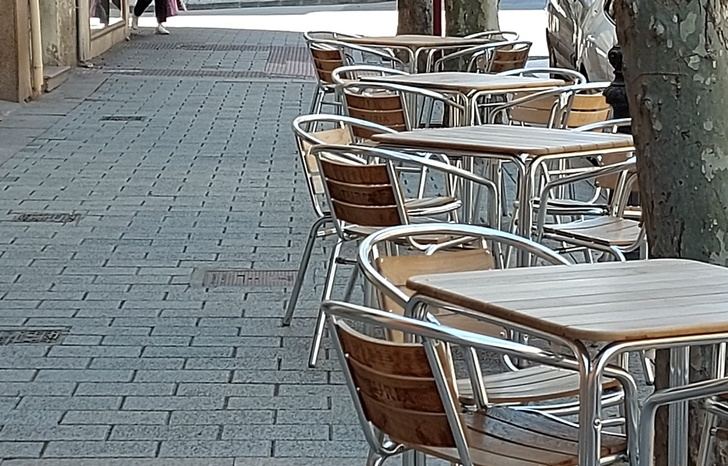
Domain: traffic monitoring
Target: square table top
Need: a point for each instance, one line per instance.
(605, 302)
(415, 41)
(508, 140)
(466, 82)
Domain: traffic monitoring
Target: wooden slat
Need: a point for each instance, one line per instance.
(368, 216)
(595, 302)
(608, 231)
(507, 140)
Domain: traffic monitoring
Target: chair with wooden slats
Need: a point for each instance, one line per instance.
(336, 129)
(364, 195)
(329, 53)
(494, 57)
(398, 107)
(569, 76)
(469, 248)
(407, 393)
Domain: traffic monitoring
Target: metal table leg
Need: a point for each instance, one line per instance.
(678, 418)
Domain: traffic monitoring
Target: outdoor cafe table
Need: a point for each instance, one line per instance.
(469, 87)
(621, 306)
(526, 147)
(415, 44)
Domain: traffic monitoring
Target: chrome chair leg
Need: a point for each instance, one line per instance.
(302, 269)
(321, 320)
(706, 439)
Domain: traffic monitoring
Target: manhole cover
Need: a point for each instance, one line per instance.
(247, 277)
(32, 336)
(47, 218)
(123, 118)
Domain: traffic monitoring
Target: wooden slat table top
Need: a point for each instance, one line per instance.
(414, 41)
(466, 82)
(606, 302)
(507, 140)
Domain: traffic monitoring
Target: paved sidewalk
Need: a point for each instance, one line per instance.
(153, 365)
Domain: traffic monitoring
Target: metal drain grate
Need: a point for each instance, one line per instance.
(231, 74)
(247, 277)
(47, 218)
(197, 47)
(123, 118)
(290, 62)
(32, 336)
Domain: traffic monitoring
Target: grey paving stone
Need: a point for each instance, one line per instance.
(276, 432)
(172, 403)
(16, 375)
(105, 449)
(69, 402)
(137, 363)
(319, 449)
(90, 375)
(43, 363)
(125, 389)
(182, 376)
(225, 389)
(45, 433)
(224, 448)
(123, 462)
(227, 416)
(30, 417)
(279, 402)
(116, 417)
(20, 449)
(299, 461)
(155, 432)
(258, 362)
(96, 351)
(36, 388)
(187, 352)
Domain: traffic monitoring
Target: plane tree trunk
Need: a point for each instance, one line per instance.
(464, 17)
(414, 16)
(676, 73)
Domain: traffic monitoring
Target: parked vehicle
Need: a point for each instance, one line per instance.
(579, 35)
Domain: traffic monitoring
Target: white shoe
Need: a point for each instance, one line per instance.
(134, 22)
(162, 30)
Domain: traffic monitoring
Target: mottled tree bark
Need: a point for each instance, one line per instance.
(414, 16)
(676, 72)
(463, 17)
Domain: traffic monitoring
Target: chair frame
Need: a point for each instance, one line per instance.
(429, 334)
(323, 217)
(345, 234)
(576, 77)
(484, 51)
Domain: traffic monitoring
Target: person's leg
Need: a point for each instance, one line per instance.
(160, 10)
(140, 6)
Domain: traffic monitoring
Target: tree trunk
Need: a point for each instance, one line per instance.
(414, 16)
(464, 17)
(676, 73)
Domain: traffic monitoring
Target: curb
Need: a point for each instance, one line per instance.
(274, 3)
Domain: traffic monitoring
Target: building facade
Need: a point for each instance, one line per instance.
(42, 39)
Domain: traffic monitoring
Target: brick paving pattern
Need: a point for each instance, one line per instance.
(154, 365)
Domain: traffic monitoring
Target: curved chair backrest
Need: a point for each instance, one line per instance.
(508, 57)
(340, 130)
(612, 181)
(496, 35)
(569, 76)
(479, 249)
(360, 190)
(325, 60)
(350, 73)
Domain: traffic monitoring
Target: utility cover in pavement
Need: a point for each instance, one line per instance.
(47, 218)
(31, 336)
(248, 277)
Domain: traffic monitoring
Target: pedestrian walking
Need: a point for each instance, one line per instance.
(163, 9)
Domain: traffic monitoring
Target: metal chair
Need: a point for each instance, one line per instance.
(391, 105)
(341, 131)
(494, 57)
(569, 76)
(329, 53)
(346, 74)
(716, 408)
(405, 397)
(387, 265)
(364, 194)
(611, 233)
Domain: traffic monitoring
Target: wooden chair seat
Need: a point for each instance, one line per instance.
(529, 385)
(506, 437)
(607, 230)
